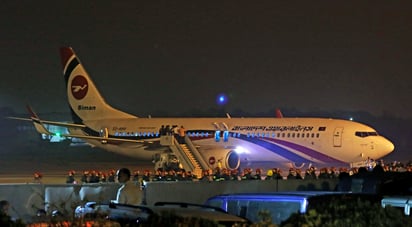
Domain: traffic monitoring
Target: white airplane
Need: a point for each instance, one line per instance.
(225, 142)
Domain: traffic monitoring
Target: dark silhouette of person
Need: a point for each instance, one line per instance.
(129, 192)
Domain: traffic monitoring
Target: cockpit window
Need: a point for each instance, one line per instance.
(365, 134)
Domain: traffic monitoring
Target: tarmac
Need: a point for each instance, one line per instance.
(54, 160)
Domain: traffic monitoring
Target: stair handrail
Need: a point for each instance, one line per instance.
(203, 164)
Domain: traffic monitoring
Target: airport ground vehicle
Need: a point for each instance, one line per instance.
(136, 215)
(402, 202)
(280, 205)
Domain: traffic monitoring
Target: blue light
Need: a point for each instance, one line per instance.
(221, 99)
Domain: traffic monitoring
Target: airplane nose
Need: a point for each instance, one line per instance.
(390, 146)
(387, 147)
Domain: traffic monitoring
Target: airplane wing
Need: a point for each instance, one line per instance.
(103, 139)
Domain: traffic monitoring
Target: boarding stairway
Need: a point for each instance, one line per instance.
(187, 153)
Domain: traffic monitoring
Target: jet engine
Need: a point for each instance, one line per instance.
(222, 158)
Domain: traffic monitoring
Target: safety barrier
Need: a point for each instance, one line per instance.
(27, 199)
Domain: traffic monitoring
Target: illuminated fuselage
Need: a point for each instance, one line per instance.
(256, 140)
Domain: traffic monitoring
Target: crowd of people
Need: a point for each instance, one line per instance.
(221, 174)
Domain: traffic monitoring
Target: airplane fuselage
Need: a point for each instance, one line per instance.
(287, 140)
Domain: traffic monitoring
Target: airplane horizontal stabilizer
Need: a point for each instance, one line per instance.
(40, 127)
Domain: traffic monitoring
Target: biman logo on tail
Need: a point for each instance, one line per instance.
(79, 87)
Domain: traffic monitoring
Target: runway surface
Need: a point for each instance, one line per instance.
(55, 160)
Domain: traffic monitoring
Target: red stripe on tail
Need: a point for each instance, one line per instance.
(66, 53)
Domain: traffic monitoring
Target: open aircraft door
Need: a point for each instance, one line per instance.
(221, 131)
(337, 137)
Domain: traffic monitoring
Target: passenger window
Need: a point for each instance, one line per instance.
(215, 203)
(279, 210)
(232, 207)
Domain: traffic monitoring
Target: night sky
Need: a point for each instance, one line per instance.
(150, 57)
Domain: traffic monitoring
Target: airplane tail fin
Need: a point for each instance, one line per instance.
(279, 113)
(86, 102)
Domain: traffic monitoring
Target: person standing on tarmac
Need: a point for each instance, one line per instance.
(129, 192)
